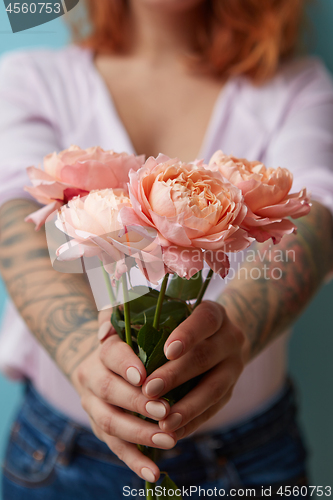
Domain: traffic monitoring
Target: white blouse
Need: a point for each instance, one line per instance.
(52, 99)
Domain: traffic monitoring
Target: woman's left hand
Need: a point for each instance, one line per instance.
(205, 343)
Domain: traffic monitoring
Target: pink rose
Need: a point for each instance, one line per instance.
(74, 172)
(93, 224)
(266, 194)
(192, 208)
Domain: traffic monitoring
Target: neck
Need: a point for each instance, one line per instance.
(162, 34)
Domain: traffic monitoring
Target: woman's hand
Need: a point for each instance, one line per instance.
(206, 343)
(108, 382)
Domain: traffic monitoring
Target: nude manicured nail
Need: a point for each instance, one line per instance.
(163, 440)
(173, 421)
(148, 474)
(104, 330)
(133, 375)
(174, 350)
(156, 409)
(154, 387)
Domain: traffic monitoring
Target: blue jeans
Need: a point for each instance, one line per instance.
(49, 457)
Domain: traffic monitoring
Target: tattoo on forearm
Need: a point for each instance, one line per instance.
(264, 307)
(58, 308)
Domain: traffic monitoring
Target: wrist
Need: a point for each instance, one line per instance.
(77, 347)
(238, 318)
(235, 314)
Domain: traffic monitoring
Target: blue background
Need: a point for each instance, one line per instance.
(311, 347)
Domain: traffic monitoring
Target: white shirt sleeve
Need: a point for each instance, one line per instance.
(27, 132)
(303, 142)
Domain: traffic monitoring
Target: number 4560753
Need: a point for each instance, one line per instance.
(33, 8)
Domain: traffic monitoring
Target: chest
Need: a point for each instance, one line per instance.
(162, 112)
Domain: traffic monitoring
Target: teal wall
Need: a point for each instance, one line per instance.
(311, 347)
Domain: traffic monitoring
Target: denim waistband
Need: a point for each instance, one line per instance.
(228, 443)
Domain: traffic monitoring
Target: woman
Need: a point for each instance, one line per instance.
(182, 77)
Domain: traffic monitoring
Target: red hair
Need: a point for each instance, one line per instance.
(238, 37)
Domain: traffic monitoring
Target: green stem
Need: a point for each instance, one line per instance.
(150, 487)
(203, 288)
(127, 312)
(159, 304)
(108, 285)
(150, 495)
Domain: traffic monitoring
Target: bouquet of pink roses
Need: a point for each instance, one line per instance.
(165, 218)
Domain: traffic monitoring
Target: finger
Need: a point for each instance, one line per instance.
(200, 359)
(105, 331)
(114, 390)
(104, 321)
(120, 358)
(205, 320)
(115, 422)
(143, 466)
(210, 391)
(104, 315)
(194, 425)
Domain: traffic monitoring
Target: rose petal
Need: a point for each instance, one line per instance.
(39, 217)
(185, 262)
(218, 261)
(37, 174)
(275, 230)
(75, 249)
(48, 191)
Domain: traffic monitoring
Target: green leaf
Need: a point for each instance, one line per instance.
(178, 310)
(157, 357)
(139, 300)
(117, 321)
(169, 324)
(142, 355)
(181, 288)
(168, 486)
(148, 337)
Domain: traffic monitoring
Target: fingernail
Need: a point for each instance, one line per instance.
(173, 421)
(133, 375)
(104, 330)
(156, 409)
(154, 387)
(174, 350)
(148, 474)
(163, 440)
(180, 433)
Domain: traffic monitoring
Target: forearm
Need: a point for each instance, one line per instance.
(58, 308)
(274, 286)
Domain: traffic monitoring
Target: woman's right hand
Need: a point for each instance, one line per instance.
(109, 383)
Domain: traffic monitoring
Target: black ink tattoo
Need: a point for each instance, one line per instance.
(264, 307)
(58, 308)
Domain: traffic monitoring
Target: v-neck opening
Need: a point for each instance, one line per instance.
(215, 115)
